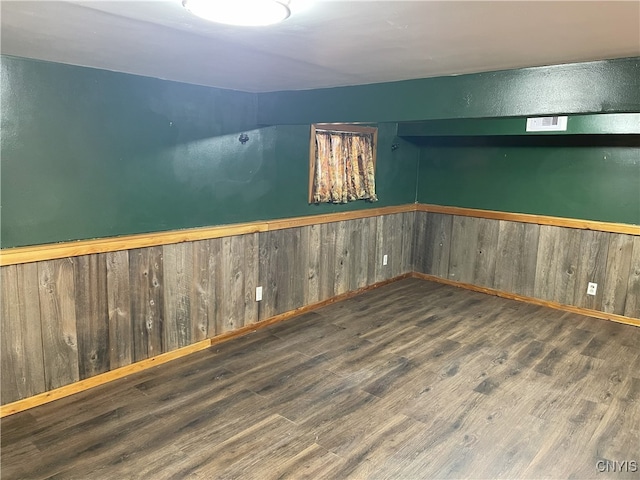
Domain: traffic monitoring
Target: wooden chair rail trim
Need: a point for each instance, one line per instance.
(536, 301)
(52, 251)
(625, 228)
(101, 379)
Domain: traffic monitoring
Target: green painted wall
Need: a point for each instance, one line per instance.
(89, 153)
(578, 178)
(567, 178)
(604, 86)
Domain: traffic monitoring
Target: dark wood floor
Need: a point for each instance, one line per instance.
(414, 380)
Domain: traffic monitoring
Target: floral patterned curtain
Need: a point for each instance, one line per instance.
(344, 167)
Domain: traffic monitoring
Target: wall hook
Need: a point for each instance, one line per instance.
(394, 147)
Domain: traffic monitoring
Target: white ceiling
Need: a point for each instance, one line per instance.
(331, 43)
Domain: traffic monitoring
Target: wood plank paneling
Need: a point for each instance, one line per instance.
(537, 261)
(418, 247)
(119, 305)
(312, 286)
(92, 314)
(560, 259)
(516, 257)
(147, 302)
(342, 258)
(387, 243)
(408, 225)
(327, 260)
(214, 251)
(22, 356)
(360, 254)
(289, 271)
(395, 234)
(567, 265)
(437, 244)
(617, 273)
(388, 246)
(202, 305)
(632, 303)
(267, 268)
(464, 240)
(486, 253)
(283, 265)
(99, 312)
(592, 262)
(296, 267)
(230, 293)
(544, 286)
(12, 367)
(178, 282)
(251, 275)
(58, 322)
(382, 226)
(372, 249)
(557, 263)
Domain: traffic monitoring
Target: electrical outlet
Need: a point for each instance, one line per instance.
(385, 259)
(592, 288)
(258, 294)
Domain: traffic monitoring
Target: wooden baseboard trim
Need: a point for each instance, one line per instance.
(52, 251)
(536, 301)
(625, 228)
(101, 379)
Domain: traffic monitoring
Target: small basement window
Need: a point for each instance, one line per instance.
(342, 163)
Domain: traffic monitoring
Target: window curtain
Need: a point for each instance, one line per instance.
(344, 168)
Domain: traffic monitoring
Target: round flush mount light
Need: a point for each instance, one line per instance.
(239, 12)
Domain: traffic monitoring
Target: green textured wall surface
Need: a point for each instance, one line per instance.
(594, 182)
(593, 87)
(89, 153)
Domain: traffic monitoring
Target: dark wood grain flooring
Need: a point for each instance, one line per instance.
(410, 381)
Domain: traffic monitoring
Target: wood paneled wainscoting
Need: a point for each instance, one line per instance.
(70, 319)
(79, 314)
(543, 263)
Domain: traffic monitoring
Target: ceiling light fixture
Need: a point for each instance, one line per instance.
(239, 12)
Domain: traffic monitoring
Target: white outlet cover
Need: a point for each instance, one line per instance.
(258, 294)
(385, 259)
(592, 288)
